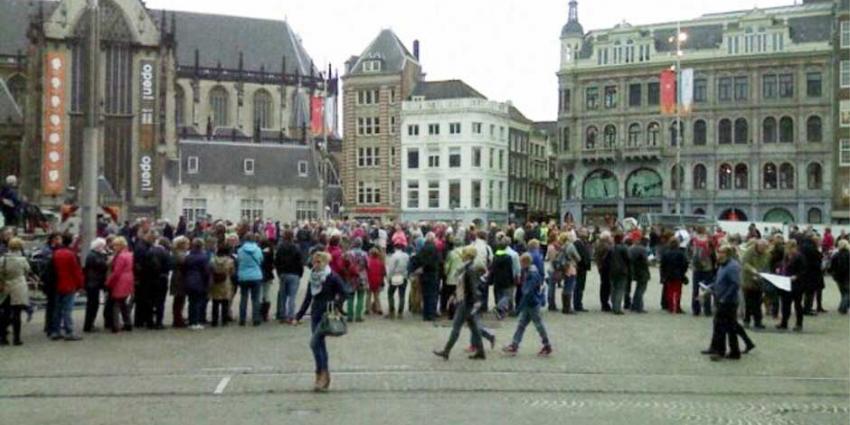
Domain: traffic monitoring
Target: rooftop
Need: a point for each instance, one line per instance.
(447, 89)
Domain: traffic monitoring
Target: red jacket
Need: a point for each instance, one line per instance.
(375, 272)
(121, 282)
(69, 273)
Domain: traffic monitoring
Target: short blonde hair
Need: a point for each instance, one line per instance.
(119, 242)
(16, 244)
(469, 253)
(533, 244)
(844, 245)
(323, 257)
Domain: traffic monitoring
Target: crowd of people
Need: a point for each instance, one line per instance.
(429, 269)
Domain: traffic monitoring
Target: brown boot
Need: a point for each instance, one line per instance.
(318, 386)
(327, 380)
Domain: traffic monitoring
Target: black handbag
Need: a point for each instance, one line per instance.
(332, 323)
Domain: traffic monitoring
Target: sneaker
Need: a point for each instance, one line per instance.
(546, 351)
(441, 354)
(492, 341)
(510, 350)
(470, 349)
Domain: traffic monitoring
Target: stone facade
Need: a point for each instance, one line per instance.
(374, 86)
(455, 159)
(841, 153)
(757, 144)
(163, 77)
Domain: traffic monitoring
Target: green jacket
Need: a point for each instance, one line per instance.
(753, 260)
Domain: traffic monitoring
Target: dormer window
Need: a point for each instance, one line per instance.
(303, 169)
(192, 165)
(372, 65)
(248, 167)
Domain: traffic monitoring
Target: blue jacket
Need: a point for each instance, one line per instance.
(728, 282)
(196, 272)
(250, 260)
(537, 259)
(531, 288)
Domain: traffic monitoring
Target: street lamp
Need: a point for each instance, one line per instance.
(680, 38)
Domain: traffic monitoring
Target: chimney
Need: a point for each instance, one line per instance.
(416, 49)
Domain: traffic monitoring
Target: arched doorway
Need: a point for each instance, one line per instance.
(815, 216)
(733, 214)
(600, 191)
(644, 190)
(779, 215)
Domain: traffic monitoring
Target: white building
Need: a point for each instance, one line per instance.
(227, 180)
(454, 154)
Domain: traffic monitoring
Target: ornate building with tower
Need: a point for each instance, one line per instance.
(758, 145)
(169, 81)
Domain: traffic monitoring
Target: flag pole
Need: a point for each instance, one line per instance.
(88, 192)
(678, 172)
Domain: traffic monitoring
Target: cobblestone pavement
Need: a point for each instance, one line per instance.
(641, 368)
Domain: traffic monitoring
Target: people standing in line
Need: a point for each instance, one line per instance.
(501, 279)
(49, 279)
(619, 273)
(467, 304)
(673, 270)
(147, 276)
(95, 271)
(726, 288)
(529, 308)
(755, 260)
(428, 259)
(14, 293)
(702, 254)
(181, 247)
(554, 275)
(376, 273)
(639, 261)
(250, 276)
(121, 284)
(222, 268)
(159, 267)
(794, 266)
(568, 262)
(289, 263)
(325, 291)
(267, 247)
(69, 280)
(196, 280)
(839, 267)
(398, 267)
(355, 275)
(583, 247)
(602, 256)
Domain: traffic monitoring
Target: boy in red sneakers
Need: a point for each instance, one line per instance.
(529, 308)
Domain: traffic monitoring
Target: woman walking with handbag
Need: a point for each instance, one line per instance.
(325, 293)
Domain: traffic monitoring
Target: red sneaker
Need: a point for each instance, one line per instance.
(510, 350)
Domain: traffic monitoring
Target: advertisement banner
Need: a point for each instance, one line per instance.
(668, 92)
(686, 90)
(147, 126)
(55, 120)
(317, 113)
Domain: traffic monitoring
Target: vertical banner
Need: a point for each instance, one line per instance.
(317, 108)
(668, 92)
(686, 90)
(53, 160)
(147, 126)
(330, 115)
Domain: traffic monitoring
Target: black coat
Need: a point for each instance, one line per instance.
(674, 265)
(95, 270)
(840, 268)
(288, 259)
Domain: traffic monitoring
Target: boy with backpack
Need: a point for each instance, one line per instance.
(533, 296)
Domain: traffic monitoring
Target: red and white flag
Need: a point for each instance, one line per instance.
(668, 92)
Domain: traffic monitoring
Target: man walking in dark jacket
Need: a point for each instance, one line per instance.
(602, 255)
(639, 260)
(289, 264)
(726, 288)
(619, 273)
(159, 264)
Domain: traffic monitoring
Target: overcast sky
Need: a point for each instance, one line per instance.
(507, 49)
